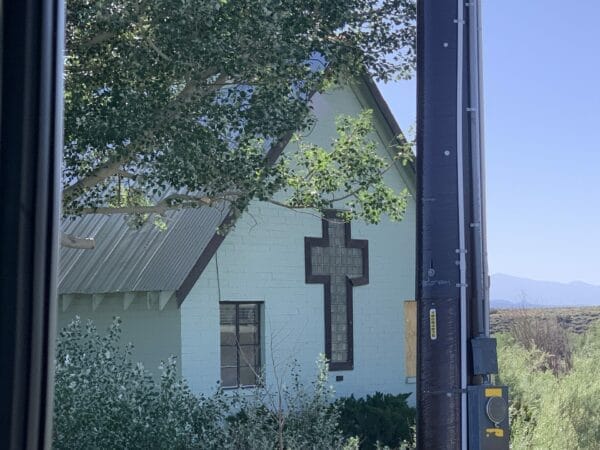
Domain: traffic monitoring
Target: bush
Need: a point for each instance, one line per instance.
(545, 334)
(522, 371)
(550, 411)
(292, 416)
(105, 400)
(379, 419)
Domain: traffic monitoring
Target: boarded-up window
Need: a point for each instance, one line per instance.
(410, 338)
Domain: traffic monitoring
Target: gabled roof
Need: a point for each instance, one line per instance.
(129, 260)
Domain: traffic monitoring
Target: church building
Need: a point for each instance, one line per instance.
(281, 288)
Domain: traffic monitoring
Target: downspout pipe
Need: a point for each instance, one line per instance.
(479, 302)
(486, 285)
(461, 196)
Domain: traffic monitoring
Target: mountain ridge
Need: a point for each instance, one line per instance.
(508, 291)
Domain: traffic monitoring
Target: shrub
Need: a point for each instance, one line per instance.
(588, 343)
(549, 411)
(290, 416)
(545, 334)
(379, 419)
(520, 369)
(105, 400)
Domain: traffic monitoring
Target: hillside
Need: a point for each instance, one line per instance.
(576, 320)
(507, 291)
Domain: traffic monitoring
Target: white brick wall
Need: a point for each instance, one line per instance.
(263, 260)
(156, 334)
(293, 324)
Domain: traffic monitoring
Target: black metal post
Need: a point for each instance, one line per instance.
(440, 249)
(30, 148)
(457, 406)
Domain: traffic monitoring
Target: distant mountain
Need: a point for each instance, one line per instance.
(507, 304)
(507, 291)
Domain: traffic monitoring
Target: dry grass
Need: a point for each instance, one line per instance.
(546, 330)
(574, 320)
(546, 335)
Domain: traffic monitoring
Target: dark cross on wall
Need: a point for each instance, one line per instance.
(339, 263)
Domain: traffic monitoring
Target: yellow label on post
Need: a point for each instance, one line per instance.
(433, 324)
(493, 392)
(497, 432)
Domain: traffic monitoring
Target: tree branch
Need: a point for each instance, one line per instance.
(125, 174)
(293, 208)
(98, 175)
(99, 39)
(172, 202)
(185, 201)
(158, 51)
(112, 168)
(70, 241)
(348, 195)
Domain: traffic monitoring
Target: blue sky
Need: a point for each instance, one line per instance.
(542, 118)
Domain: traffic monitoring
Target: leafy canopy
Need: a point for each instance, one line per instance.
(174, 103)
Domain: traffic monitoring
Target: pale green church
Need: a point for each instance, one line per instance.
(282, 286)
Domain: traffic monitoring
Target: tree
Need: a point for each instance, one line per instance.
(185, 103)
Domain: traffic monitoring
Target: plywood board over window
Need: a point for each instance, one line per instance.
(410, 339)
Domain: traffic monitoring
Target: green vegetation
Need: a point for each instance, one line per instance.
(103, 399)
(553, 380)
(379, 419)
(170, 104)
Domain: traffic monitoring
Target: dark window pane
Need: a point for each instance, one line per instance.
(229, 356)
(240, 344)
(248, 334)
(247, 376)
(248, 313)
(229, 377)
(248, 355)
(228, 335)
(227, 314)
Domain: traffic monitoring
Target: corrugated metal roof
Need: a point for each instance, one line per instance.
(128, 260)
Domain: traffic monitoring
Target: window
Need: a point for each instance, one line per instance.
(240, 344)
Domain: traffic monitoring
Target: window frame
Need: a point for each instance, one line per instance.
(237, 345)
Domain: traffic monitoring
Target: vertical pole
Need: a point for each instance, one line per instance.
(455, 355)
(441, 242)
(479, 300)
(461, 137)
(30, 147)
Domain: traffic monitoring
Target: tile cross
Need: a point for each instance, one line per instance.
(339, 263)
